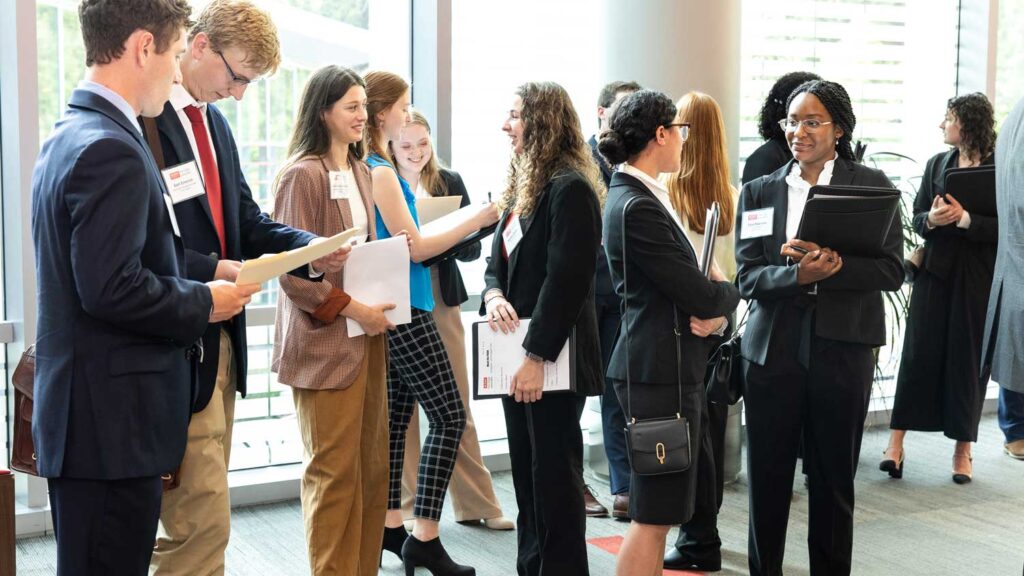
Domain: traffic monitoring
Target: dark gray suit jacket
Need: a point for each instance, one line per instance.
(849, 304)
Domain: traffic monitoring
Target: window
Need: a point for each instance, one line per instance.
(360, 34)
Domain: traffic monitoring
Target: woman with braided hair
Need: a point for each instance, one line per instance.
(815, 316)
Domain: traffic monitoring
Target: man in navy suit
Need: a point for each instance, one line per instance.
(231, 45)
(118, 320)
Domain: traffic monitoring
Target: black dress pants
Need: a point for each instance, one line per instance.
(546, 450)
(105, 527)
(826, 404)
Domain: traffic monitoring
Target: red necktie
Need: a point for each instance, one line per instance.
(210, 175)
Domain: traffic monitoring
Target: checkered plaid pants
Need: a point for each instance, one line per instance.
(419, 371)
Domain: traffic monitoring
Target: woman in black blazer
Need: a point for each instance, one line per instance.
(542, 267)
(814, 320)
(774, 153)
(471, 489)
(941, 385)
(669, 311)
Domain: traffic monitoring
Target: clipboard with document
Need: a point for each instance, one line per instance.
(852, 220)
(497, 357)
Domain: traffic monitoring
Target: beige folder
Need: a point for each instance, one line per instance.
(262, 269)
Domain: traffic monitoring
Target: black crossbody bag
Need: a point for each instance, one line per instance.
(656, 445)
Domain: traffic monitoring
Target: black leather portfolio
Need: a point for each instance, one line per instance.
(851, 220)
(973, 188)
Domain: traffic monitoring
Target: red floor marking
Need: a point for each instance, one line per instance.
(612, 544)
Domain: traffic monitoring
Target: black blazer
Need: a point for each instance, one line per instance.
(944, 246)
(549, 277)
(113, 385)
(453, 291)
(768, 158)
(249, 234)
(849, 304)
(663, 275)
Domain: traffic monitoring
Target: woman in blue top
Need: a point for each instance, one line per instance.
(418, 370)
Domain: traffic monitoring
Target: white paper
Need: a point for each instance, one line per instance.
(499, 356)
(431, 208)
(378, 273)
(512, 234)
(269, 266)
(450, 221)
(757, 223)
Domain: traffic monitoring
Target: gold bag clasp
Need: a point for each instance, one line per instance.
(659, 451)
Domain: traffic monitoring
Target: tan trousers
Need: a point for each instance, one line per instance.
(472, 494)
(345, 483)
(195, 517)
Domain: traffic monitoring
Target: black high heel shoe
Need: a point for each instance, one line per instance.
(895, 469)
(432, 556)
(393, 540)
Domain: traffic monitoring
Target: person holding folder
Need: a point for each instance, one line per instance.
(418, 366)
(672, 313)
(815, 316)
(471, 489)
(941, 386)
(703, 179)
(542, 267)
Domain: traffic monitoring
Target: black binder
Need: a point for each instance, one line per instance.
(852, 220)
(467, 241)
(973, 188)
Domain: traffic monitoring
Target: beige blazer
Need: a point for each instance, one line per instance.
(309, 353)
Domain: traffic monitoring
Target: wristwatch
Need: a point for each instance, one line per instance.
(534, 357)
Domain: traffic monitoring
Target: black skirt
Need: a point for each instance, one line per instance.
(667, 499)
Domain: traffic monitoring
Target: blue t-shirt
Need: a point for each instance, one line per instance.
(421, 294)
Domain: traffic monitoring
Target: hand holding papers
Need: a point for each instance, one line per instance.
(259, 270)
(434, 207)
(378, 273)
(497, 357)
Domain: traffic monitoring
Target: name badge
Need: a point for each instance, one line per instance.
(340, 187)
(170, 212)
(183, 181)
(757, 223)
(512, 234)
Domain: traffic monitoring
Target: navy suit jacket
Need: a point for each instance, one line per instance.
(249, 234)
(849, 304)
(113, 385)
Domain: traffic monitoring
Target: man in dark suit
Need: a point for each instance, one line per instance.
(608, 304)
(118, 321)
(232, 44)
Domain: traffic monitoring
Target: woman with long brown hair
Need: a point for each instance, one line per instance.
(702, 179)
(542, 267)
(418, 370)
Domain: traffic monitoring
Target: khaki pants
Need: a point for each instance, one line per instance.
(472, 494)
(195, 517)
(345, 482)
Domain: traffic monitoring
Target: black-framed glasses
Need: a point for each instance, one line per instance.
(684, 129)
(235, 78)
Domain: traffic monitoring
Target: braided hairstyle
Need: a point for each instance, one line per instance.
(977, 122)
(836, 100)
(774, 107)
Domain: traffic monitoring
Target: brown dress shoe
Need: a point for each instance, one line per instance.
(620, 508)
(1015, 449)
(592, 507)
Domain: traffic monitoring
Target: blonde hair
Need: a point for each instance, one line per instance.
(552, 142)
(703, 175)
(430, 176)
(241, 24)
(383, 89)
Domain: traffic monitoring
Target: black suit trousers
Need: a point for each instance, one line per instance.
(546, 450)
(825, 404)
(105, 527)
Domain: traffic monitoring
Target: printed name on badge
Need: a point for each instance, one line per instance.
(757, 223)
(512, 234)
(183, 181)
(340, 188)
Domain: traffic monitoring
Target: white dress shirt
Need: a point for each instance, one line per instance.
(798, 190)
(180, 98)
(114, 98)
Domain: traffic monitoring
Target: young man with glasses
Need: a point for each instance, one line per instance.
(231, 45)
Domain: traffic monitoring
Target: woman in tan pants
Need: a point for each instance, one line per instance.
(338, 382)
(471, 490)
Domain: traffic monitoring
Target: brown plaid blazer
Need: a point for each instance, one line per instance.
(309, 353)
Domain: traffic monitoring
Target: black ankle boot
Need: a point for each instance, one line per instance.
(393, 540)
(432, 556)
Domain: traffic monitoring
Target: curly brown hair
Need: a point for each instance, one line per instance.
(977, 122)
(552, 142)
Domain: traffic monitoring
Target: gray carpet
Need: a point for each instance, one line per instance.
(921, 525)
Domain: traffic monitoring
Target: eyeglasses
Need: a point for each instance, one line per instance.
(239, 80)
(684, 129)
(810, 125)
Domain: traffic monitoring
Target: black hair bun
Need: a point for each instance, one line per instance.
(612, 147)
